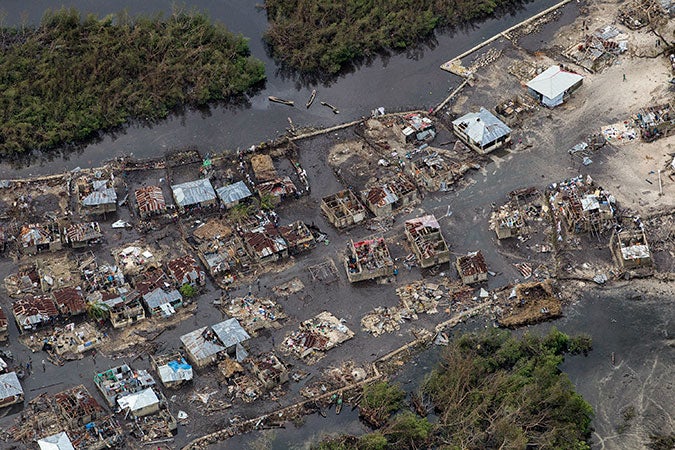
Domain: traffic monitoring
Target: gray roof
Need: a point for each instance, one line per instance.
(10, 385)
(200, 347)
(100, 197)
(154, 299)
(230, 332)
(58, 441)
(193, 192)
(482, 127)
(233, 192)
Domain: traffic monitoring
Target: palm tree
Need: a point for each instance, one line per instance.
(267, 202)
(240, 212)
(97, 311)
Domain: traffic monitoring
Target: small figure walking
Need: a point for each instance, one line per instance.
(273, 342)
(624, 77)
(44, 366)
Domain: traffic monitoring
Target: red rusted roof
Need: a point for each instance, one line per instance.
(70, 301)
(35, 305)
(185, 269)
(472, 264)
(150, 199)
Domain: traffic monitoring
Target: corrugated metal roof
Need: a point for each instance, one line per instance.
(199, 346)
(139, 400)
(58, 441)
(482, 127)
(10, 385)
(381, 196)
(150, 199)
(553, 81)
(158, 297)
(100, 197)
(233, 192)
(230, 332)
(79, 232)
(70, 300)
(417, 224)
(193, 192)
(175, 371)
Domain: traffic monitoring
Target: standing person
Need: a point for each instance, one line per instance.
(44, 366)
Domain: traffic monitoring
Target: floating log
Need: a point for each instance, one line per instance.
(311, 99)
(335, 110)
(280, 100)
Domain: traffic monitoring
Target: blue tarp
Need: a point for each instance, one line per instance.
(175, 365)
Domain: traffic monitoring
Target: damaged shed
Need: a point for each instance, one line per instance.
(36, 238)
(343, 209)
(630, 248)
(185, 270)
(31, 312)
(99, 197)
(415, 127)
(150, 201)
(79, 235)
(472, 268)
(426, 240)
(140, 404)
(368, 260)
(265, 244)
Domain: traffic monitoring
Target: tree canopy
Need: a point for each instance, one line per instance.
(489, 391)
(70, 77)
(326, 35)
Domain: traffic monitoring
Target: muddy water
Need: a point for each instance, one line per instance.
(630, 325)
(399, 81)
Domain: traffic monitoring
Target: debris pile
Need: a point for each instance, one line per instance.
(529, 303)
(316, 336)
(255, 313)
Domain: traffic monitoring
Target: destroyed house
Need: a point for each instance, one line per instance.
(70, 301)
(31, 312)
(278, 188)
(209, 344)
(266, 244)
(554, 85)
(655, 122)
(11, 391)
(404, 189)
(172, 369)
(150, 201)
(185, 270)
(472, 268)
(99, 197)
(263, 168)
(119, 381)
(3, 326)
(508, 221)
(368, 259)
(221, 251)
(380, 200)
(343, 209)
(426, 240)
(432, 171)
(318, 334)
(482, 131)
(58, 441)
(141, 403)
(298, 237)
(151, 279)
(35, 238)
(123, 309)
(415, 127)
(584, 207)
(630, 248)
(598, 50)
(77, 406)
(79, 235)
(194, 194)
(163, 302)
(232, 194)
(270, 370)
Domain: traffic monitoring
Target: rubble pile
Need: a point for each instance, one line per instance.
(528, 303)
(290, 287)
(315, 337)
(255, 313)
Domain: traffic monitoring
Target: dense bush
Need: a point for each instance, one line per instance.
(325, 35)
(70, 77)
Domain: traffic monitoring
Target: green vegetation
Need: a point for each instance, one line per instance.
(68, 78)
(325, 35)
(490, 390)
(187, 291)
(97, 311)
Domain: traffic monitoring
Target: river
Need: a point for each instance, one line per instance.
(401, 81)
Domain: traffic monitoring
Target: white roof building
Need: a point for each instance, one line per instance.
(58, 441)
(552, 84)
(141, 403)
(482, 131)
(195, 192)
